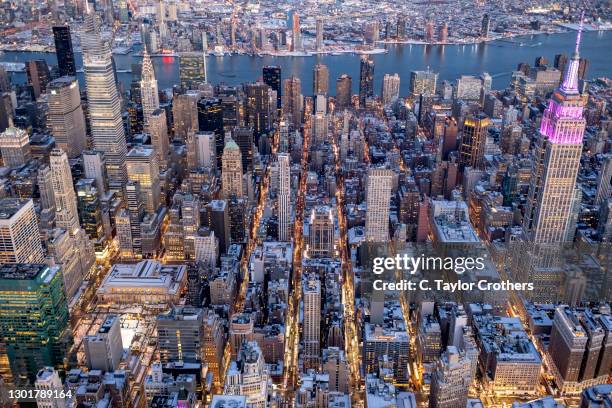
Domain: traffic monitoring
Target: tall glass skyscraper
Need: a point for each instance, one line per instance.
(63, 51)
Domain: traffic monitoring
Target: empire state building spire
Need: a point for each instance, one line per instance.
(570, 81)
(148, 89)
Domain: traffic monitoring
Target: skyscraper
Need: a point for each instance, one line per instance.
(292, 100)
(38, 76)
(311, 293)
(472, 148)
(33, 319)
(143, 168)
(94, 167)
(272, 78)
(560, 146)
(344, 85)
(65, 116)
(243, 136)
(321, 233)
(148, 89)
(284, 197)
(180, 334)
(319, 34)
(15, 147)
(66, 212)
(390, 88)
(210, 119)
(366, 80)
(485, 26)
(604, 180)
(320, 82)
(103, 350)
(423, 83)
(450, 380)
(192, 69)
(258, 109)
(90, 212)
(158, 130)
(20, 239)
(135, 212)
(63, 51)
(378, 197)
(297, 33)
(185, 114)
(231, 173)
(104, 105)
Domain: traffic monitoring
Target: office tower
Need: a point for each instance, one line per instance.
(384, 347)
(296, 45)
(135, 212)
(103, 102)
(293, 101)
(320, 82)
(5, 81)
(190, 211)
(599, 396)
(335, 365)
(90, 211)
(321, 233)
(143, 168)
(231, 173)
(468, 87)
(319, 125)
(238, 215)
(185, 114)
(344, 86)
(94, 167)
(34, 325)
(180, 334)
(473, 140)
(38, 76)
(20, 241)
(49, 383)
(210, 119)
(451, 380)
(378, 197)
(206, 248)
(66, 213)
(366, 80)
(192, 70)
(390, 88)
(247, 376)
(123, 227)
(258, 109)
(103, 350)
(213, 343)
(44, 180)
(158, 130)
(429, 31)
(63, 51)
(604, 189)
(423, 83)
(443, 33)
(485, 26)
(319, 34)
(15, 147)
(583, 65)
(311, 334)
(217, 219)
(148, 89)
(202, 151)
(400, 32)
(243, 136)
(284, 197)
(560, 146)
(65, 116)
(272, 78)
(560, 62)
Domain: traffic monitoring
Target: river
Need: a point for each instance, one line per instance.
(499, 58)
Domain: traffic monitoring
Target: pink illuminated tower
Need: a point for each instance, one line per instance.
(551, 192)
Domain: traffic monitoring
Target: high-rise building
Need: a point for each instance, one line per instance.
(390, 88)
(231, 172)
(103, 350)
(366, 80)
(560, 62)
(311, 334)
(319, 34)
(34, 325)
(321, 233)
(604, 180)
(66, 213)
(213, 343)
(135, 213)
(378, 199)
(148, 89)
(243, 136)
(599, 396)
(258, 109)
(472, 147)
(20, 241)
(180, 335)
(192, 70)
(296, 45)
(451, 380)
(423, 83)
(49, 382)
(293, 101)
(185, 114)
(443, 33)
(38, 76)
(103, 102)
(143, 168)
(272, 78)
(15, 147)
(90, 212)
(344, 87)
(284, 197)
(552, 186)
(158, 130)
(320, 82)
(384, 347)
(485, 26)
(210, 119)
(63, 51)
(65, 116)
(248, 376)
(217, 219)
(94, 167)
